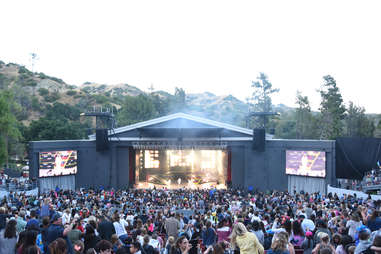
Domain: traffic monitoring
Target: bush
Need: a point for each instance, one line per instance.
(71, 92)
(52, 97)
(22, 69)
(43, 91)
(42, 76)
(36, 104)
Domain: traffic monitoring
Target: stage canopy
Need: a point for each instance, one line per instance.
(355, 156)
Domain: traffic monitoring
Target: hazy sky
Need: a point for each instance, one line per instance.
(217, 46)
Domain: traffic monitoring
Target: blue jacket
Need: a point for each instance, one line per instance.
(209, 236)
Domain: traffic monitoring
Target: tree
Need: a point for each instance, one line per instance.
(178, 101)
(356, 122)
(8, 125)
(305, 122)
(332, 110)
(136, 109)
(260, 100)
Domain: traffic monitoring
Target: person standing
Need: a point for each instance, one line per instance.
(105, 228)
(172, 226)
(8, 238)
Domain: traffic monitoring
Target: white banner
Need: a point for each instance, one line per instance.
(359, 194)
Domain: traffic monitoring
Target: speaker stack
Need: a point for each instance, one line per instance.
(259, 137)
(102, 142)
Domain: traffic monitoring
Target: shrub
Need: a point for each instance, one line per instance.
(71, 92)
(52, 97)
(43, 91)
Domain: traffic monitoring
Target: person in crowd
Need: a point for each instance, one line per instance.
(364, 240)
(78, 247)
(169, 245)
(246, 242)
(66, 216)
(353, 224)
(373, 222)
(182, 246)
(75, 234)
(376, 245)
(120, 226)
(281, 245)
(33, 223)
(90, 238)
(323, 242)
(321, 226)
(104, 247)
(8, 238)
(172, 226)
(308, 243)
(21, 223)
(135, 248)
(223, 230)
(58, 246)
(209, 236)
(105, 228)
(56, 230)
(3, 217)
(257, 230)
(29, 240)
(297, 236)
(345, 241)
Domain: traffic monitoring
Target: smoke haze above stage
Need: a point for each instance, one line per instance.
(174, 169)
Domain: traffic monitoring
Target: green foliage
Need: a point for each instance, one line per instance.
(8, 124)
(71, 92)
(136, 109)
(260, 101)
(43, 91)
(332, 110)
(54, 129)
(100, 99)
(35, 104)
(356, 122)
(61, 122)
(306, 123)
(23, 70)
(62, 111)
(52, 97)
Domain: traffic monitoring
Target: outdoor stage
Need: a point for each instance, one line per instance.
(184, 151)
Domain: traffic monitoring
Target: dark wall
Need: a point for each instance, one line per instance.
(261, 170)
(266, 170)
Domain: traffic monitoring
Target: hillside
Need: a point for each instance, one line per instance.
(35, 92)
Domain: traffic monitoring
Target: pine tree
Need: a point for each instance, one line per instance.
(332, 110)
(260, 100)
(356, 122)
(305, 121)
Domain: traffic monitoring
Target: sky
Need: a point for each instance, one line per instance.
(200, 45)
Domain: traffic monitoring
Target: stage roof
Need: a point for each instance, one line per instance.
(181, 124)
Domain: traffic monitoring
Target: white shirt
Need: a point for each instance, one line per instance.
(120, 227)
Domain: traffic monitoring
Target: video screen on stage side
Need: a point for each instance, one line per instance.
(57, 163)
(305, 163)
(173, 169)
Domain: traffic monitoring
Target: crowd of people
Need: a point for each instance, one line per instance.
(160, 221)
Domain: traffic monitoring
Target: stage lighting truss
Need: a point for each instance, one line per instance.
(168, 145)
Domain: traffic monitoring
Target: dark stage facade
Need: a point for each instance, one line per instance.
(183, 151)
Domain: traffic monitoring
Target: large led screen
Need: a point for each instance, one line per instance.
(57, 163)
(173, 169)
(305, 163)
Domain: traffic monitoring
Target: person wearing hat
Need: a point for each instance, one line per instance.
(56, 230)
